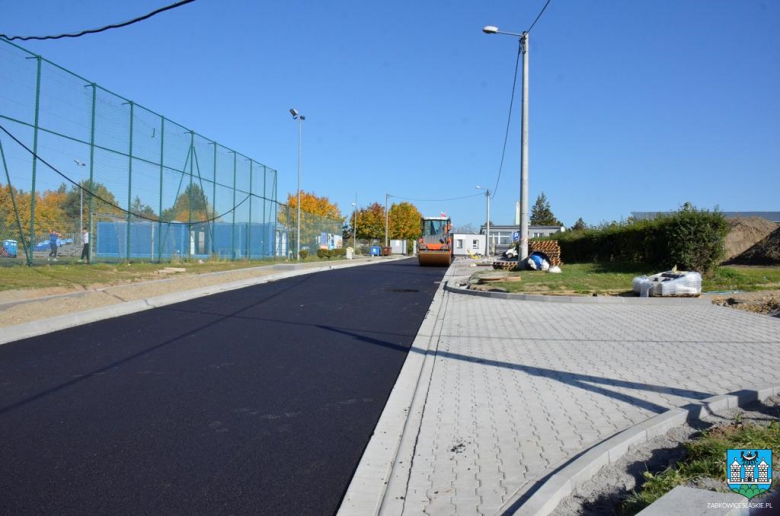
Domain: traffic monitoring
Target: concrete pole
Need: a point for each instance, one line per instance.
(487, 231)
(524, 155)
(300, 135)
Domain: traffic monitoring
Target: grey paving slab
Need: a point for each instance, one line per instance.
(519, 388)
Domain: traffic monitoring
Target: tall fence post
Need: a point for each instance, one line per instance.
(189, 196)
(162, 166)
(27, 251)
(233, 240)
(249, 224)
(276, 213)
(264, 234)
(130, 182)
(214, 200)
(35, 151)
(90, 219)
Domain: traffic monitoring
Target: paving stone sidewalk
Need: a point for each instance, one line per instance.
(520, 387)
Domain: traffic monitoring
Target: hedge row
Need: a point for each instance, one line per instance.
(689, 238)
(331, 253)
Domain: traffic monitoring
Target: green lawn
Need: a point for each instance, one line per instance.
(616, 278)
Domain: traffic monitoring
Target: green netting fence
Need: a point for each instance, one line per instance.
(76, 155)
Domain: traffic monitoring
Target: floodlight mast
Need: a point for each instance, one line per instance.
(300, 118)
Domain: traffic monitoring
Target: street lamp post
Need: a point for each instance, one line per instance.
(386, 220)
(524, 141)
(300, 118)
(487, 225)
(81, 196)
(354, 226)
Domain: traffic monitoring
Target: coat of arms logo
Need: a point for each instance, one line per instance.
(749, 472)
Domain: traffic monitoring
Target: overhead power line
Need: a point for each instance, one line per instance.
(102, 29)
(539, 16)
(433, 200)
(512, 99)
(508, 121)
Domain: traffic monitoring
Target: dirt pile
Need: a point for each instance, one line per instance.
(762, 302)
(746, 232)
(764, 252)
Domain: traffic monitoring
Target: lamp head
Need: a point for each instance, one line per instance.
(294, 112)
(490, 29)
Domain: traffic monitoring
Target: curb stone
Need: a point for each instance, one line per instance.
(567, 479)
(70, 320)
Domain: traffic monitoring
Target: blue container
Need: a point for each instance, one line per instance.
(10, 247)
(376, 250)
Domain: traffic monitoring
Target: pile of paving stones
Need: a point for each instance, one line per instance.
(548, 247)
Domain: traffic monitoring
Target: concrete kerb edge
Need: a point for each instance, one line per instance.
(581, 299)
(369, 485)
(36, 328)
(568, 479)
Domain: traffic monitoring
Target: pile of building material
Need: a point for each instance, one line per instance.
(548, 247)
(764, 252)
(505, 265)
(744, 232)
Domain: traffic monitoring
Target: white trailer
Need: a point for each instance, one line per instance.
(466, 243)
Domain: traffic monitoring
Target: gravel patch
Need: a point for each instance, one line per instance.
(601, 495)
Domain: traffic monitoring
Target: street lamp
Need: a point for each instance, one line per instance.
(487, 226)
(81, 195)
(300, 119)
(354, 228)
(523, 251)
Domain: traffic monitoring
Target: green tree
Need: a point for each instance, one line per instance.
(404, 221)
(541, 214)
(73, 199)
(579, 225)
(371, 222)
(144, 210)
(180, 211)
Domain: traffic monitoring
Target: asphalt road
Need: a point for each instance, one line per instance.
(255, 401)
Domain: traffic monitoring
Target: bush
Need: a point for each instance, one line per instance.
(323, 253)
(689, 238)
(304, 253)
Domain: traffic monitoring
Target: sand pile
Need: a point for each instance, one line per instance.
(746, 232)
(765, 252)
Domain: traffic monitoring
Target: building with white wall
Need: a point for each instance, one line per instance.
(462, 243)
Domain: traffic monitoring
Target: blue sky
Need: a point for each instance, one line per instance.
(635, 106)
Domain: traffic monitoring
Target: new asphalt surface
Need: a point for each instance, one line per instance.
(253, 401)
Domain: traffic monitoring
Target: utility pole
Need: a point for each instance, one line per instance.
(300, 136)
(386, 220)
(487, 223)
(524, 155)
(487, 228)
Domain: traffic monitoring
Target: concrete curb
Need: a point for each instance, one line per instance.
(61, 322)
(582, 299)
(380, 473)
(567, 479)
